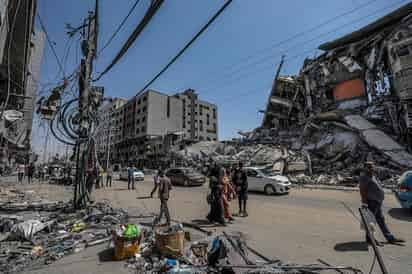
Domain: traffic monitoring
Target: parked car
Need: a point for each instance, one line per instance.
(264, 180)
(404, 191)
(138, 175)
(185, 177)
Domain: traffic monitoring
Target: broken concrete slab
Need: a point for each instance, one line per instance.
(401, 157)
(380, 140)
(358, 122)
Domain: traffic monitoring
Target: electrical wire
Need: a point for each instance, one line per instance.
(205, 27)
(50, 43)
(303, 33)
(266, 59)
(119, 27)
(154, 7)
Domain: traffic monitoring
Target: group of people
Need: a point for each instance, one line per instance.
(226, 184)
(100, 179)
(27, 170)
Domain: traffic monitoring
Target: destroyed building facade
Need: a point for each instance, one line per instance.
(361, 83)
(21, 52)
(146, 127)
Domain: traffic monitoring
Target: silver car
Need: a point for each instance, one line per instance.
(263, 180)
(138, 175)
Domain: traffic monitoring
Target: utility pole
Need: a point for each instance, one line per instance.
(109, 139)
(88, 46)
(46, 141)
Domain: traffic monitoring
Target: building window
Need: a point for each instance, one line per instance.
(201, 125)
(145, 98)
(208, 138)
(168, 107)
(143, 119)
(144, 109)
(214, 126)
(138, 121)
(137, 130)
(200, 109)
(214, 113)
(207, 119)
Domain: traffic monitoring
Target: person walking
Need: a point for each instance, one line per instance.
(156, 181)
(215, 199)
(109, 176)
(372, 197)
(241, 184)
(30, 173)
(20, 172)
(130, 176)
(227, 192)
(164, 194)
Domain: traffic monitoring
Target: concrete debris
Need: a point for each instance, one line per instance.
(32, 236)
(220, 253)
(348, 105)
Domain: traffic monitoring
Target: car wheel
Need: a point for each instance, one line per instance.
(269, 190)
(186, 182)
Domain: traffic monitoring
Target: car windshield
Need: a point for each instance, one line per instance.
(189, 171)
(267, 172)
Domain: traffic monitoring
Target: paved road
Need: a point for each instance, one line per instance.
(299, 228)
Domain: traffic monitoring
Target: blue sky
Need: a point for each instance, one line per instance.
(232, 64)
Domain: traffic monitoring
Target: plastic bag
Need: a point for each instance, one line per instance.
(28, 228)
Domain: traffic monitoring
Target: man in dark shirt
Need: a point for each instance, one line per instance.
(164, 193)
(241, 184)
(372, 196)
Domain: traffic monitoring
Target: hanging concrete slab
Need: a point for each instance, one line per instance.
(358, 122)
(379, 140)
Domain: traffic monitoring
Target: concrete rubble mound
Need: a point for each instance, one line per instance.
(33, 237)
(329, 148)
(35, 234)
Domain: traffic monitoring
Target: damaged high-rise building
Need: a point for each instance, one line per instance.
(362, 82)
(21, 52)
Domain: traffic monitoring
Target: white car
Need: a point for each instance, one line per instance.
(263, 180)
(138, 175)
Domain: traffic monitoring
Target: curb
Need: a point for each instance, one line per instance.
(329, 187)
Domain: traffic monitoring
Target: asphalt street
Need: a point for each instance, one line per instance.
(301, 227)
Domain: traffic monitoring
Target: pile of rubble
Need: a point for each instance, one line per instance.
(37, 233)
(32, 236)
(222, 253)
(326, 149)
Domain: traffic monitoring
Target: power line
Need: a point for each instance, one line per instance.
(266, 58)
(120, 26)
(154, 7)
(51, 44)
(287, 40)
(211, 20)
(302, 33)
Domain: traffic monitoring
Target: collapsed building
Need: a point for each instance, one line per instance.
(357, 94)
(349, 105)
